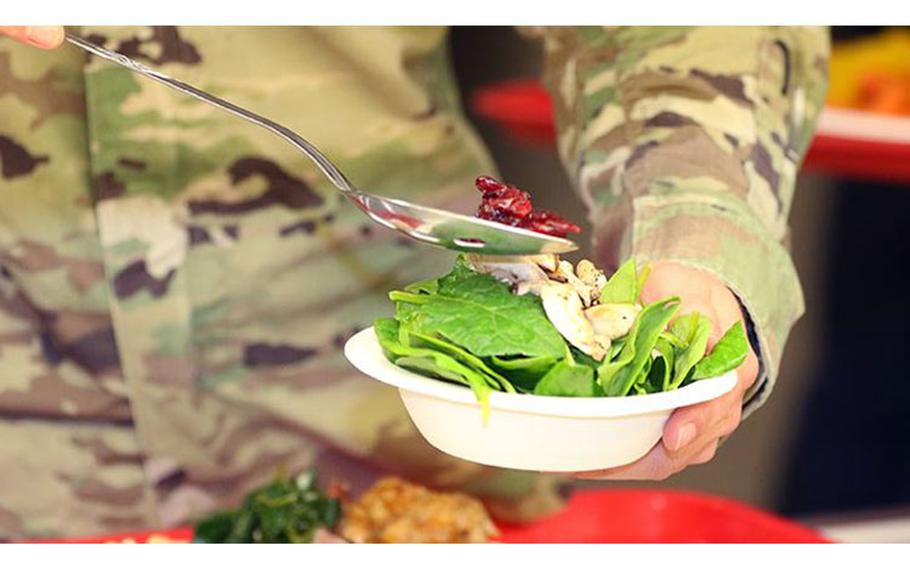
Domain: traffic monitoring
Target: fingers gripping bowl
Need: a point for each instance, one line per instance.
(566, 369)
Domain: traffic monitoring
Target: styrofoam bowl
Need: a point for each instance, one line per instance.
(529, 432)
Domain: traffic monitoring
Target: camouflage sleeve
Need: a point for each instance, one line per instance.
(684, 143)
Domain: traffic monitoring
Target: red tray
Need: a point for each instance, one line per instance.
(616, 516)
(847, 142)
(649, 516)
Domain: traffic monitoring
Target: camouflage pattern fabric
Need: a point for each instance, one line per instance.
(685, 144)
(176, 284)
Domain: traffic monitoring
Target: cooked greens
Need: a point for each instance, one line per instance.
(471, 328)
(285, 511)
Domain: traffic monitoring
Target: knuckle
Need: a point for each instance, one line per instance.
(732, 421)
(662, 474)
(660, 470)
(706, 455)
(728, 427)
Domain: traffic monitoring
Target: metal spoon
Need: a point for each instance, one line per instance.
(425, 224)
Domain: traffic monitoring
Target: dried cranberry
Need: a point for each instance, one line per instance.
(511, 201)
(487, 184)
(549, 223)
(490, 213)
(506, 203)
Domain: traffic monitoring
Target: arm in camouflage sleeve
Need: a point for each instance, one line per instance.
(685, 143)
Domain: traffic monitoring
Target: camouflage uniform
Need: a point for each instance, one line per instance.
(176, 284)
(684, 144)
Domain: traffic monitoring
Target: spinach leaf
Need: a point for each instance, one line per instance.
(404, 311)
(524, 372)
(480, 314)
(567, 379)
(409, 297)
(668, 355)
(617, 377)
(683, 327)
(615, 348)
(687, 380)
(387, 332)
(672, 340)
(622, 287)
(728, 354)
(642, 280)
(463, 356)
(623, 355)
(427, 366)
(424, 286)
(694, 330)
(658, 376)
(643, 373)
(583, 358)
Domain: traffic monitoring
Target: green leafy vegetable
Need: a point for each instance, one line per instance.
(642, 279)
(693, 330)
(482, 315)
(728, 354)
(428, 366)
(672, 340)
(641, 379)
(387, 332)
(463, 356)
(642, 338)
(658, 376)
(524, 372)
(424, 286)
(409, 297)
(471, 329)
(622, 287)
(285, 511)
(615, 349)
(668, 355)
(583, 358)
(567, 379)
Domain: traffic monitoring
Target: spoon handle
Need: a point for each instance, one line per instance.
(323, 163)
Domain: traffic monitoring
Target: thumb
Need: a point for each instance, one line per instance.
(45, 37)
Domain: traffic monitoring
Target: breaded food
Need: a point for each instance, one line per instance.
(396, 511)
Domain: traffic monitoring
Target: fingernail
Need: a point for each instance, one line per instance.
(686, 435)
(43, 36)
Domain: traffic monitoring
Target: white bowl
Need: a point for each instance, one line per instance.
(529, 432)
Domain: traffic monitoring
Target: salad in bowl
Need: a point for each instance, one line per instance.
(531, 362)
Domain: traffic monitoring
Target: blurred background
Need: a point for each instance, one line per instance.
(829, 446)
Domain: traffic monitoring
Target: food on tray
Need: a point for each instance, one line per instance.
(539, 325)
(396, 511)
(284, 511)
(391, 511)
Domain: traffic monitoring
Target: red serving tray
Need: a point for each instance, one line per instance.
(616, 516)
(847, 143)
